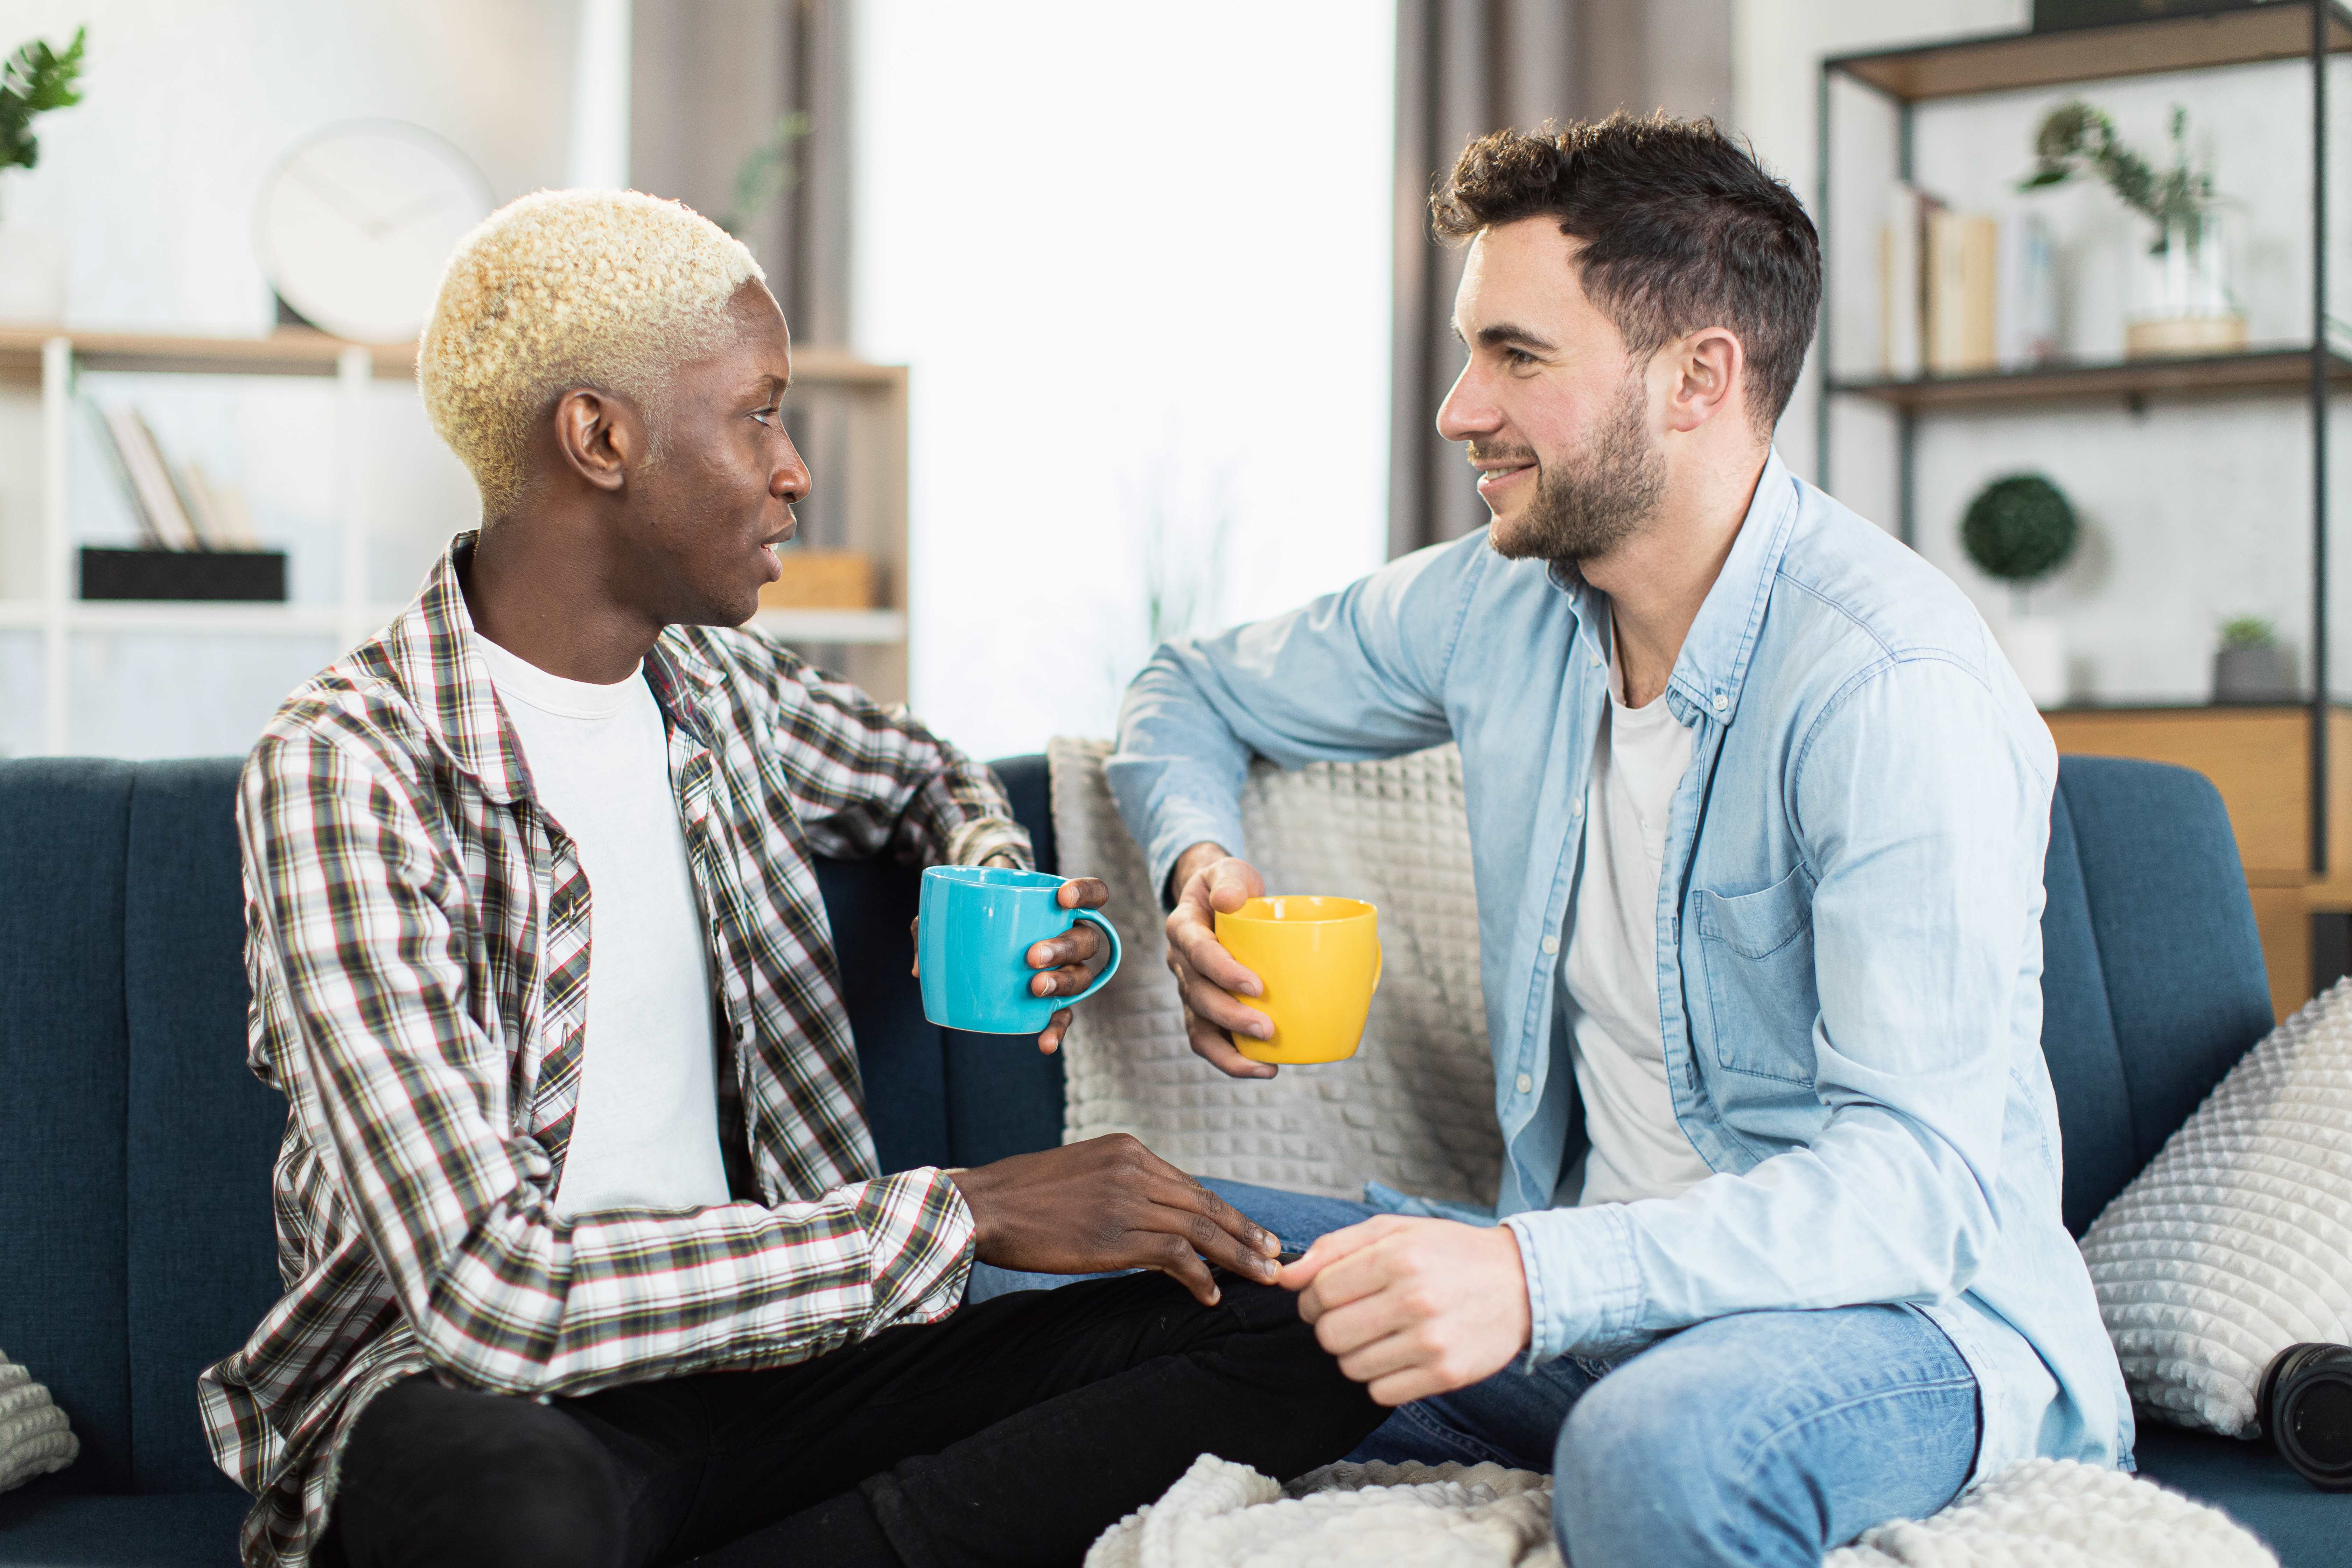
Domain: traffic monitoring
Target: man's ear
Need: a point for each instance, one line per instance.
(599, 437)
(1706, 366)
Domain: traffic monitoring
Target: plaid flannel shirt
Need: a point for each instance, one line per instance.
(418, 942)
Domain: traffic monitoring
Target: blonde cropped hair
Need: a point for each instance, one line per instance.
(561, 289)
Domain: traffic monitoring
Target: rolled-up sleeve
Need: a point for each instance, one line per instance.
(1351, 677)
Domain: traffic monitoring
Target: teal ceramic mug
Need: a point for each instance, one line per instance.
(978, 924)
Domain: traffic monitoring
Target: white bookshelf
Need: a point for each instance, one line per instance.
(870, 645)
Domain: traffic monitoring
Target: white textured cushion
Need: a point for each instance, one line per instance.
(1414, 1106)
(34, 1436)
(2236, 1241)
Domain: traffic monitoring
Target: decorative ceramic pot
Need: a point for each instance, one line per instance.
(2036, 647)
(2254, 675)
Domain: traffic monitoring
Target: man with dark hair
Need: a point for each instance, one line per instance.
(1758, 816)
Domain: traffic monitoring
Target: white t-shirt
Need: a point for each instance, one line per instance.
(645, 1133)
(1609, 973)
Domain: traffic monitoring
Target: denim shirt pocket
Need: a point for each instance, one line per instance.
(1758, 951)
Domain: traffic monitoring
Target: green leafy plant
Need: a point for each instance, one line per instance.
(766, 172)
(2241, 632)
(35, 80)
(2078, 141)
(2019, 529)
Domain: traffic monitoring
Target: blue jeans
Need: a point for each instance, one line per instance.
(1762, 1437)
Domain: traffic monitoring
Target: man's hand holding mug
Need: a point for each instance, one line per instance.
(1208, 978)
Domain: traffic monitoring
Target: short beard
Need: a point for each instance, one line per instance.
(1589, 503)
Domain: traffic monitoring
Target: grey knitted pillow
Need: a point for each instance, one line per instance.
(34, 1436)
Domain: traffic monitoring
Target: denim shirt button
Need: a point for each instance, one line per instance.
(1526, 1084)
(1552, 945)
(1721, 702)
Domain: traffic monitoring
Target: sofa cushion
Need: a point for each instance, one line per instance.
(203, 1131)
(63, 830)
(2307, 1528)
(193, 1529)
(2178, 952)
(2078, 1031)
(1005, 1096)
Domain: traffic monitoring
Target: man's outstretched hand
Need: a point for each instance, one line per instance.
(1105, 1204)
(1208, 978)
(1415, 1307)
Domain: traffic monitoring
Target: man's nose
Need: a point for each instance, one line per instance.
(1468, 411)
(791, 480)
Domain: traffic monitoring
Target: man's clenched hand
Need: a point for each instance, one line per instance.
(1208, 978)
(1110, 1203)
(1415, 1307)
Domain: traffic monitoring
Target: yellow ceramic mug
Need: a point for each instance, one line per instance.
(1321, 961)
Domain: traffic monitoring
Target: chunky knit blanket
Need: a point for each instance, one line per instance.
(2041, 1513)
(1415, 1106)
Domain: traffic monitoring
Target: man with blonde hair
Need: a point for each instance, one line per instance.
(587, 1256)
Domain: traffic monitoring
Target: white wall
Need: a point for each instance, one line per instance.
(150, 186)
(2195, 511)
(1138, 260)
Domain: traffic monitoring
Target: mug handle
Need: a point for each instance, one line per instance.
(1379, 962)
(1107, 970)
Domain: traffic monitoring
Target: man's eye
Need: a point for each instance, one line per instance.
(1518, 356)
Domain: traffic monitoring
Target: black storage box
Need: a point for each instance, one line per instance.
(249, 575)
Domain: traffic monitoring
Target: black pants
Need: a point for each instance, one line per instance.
(1015, 1431)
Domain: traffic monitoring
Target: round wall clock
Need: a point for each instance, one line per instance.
(357, 221)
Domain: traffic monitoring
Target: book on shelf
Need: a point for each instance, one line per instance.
(1963, 293)
(1901, 281)
(163, 522)
(1963, 285)
(180, 506)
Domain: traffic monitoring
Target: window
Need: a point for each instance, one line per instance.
(1138, 258)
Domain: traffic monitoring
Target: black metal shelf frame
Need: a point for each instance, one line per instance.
(2010, 61)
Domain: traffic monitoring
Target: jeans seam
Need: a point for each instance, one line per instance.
(1756, 1451)
(1447, 1432)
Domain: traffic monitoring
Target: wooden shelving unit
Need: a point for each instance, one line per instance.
(2272, 371)
(870, 645)
(2291, 809)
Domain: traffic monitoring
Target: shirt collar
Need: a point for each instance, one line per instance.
(1713, 664)
(447, 683)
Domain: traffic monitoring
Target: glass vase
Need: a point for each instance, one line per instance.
(2180, 298)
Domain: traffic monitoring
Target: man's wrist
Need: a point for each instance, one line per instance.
(1188, 865)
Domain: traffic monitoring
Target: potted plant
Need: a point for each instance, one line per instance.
(2180, 294)
(2018, 530)
(2249, 665)
(35, 80)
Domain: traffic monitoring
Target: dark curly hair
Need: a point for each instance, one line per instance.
(1682, 229)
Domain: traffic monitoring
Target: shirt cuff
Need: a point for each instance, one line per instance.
(918, 1236)
(1584, 1294)
(985, 836)
(1179, 825)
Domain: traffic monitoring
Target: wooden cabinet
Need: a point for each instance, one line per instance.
(2259, 760)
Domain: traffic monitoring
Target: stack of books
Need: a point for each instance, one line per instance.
(195, 537)
(1963, 293)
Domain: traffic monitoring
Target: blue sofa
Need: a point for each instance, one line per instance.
(135, 1150)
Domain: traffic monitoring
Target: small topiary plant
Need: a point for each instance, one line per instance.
(2019, 529)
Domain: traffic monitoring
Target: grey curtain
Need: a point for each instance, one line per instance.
(710, 83)
(1468, 66)
(715, 82)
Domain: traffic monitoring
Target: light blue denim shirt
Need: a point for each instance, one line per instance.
(1849, 929)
